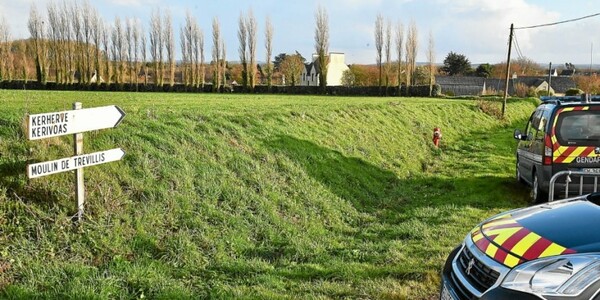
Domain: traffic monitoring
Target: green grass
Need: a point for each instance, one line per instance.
(248, 196)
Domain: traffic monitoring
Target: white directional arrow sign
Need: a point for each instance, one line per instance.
(53, 124)
(72, 163)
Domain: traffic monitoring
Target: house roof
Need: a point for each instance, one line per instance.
(560, 84)
(309, 67)
(461, 85)
(459, 80)
(469, 85)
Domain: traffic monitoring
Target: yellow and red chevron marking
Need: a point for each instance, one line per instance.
(565, 154)
(511, 244)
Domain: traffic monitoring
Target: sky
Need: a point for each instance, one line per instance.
(478, 29)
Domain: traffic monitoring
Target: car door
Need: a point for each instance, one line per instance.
(527, 150)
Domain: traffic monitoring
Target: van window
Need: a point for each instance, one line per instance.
(529, 130)
(542, 125)
(579, 128)
(534, 125)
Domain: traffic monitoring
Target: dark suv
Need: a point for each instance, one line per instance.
(563, 134)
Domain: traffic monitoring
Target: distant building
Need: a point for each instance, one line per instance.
(335, 69)
(474, 86)
(93, 77)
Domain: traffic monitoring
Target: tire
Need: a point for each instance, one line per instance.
(537, 194)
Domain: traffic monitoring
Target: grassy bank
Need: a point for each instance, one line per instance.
(237, 196)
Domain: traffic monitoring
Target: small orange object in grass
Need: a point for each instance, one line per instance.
(437, 135)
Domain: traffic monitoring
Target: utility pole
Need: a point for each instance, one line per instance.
(549, 78)
(510, 38)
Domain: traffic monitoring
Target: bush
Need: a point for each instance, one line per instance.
(532, 93)
(521, 90)
(420, 90)
(543, 93)
(412, 91)
(573, 92)
(490, 108)
(492, 92)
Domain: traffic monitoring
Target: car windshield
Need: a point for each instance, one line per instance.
(579, 127)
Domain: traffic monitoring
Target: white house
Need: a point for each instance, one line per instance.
(335, 69)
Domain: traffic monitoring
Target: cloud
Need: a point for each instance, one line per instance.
(476, 28)
(134, 2)
(16, 15)
(479, 29)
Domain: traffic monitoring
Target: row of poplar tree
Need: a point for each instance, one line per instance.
(72, 43)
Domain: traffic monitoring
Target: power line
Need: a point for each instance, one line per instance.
(518, 47)
(557, 23)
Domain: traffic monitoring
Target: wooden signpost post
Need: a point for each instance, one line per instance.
(74, 122)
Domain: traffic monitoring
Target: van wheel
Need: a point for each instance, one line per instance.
(537, 194)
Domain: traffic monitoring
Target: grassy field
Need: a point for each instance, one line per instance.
(247, 196)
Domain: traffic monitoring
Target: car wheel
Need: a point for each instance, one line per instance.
(537, 194)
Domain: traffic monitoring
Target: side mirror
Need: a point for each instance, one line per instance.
(519, 136)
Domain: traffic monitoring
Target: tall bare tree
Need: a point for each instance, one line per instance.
(322, 45)
(36, 30)
(144, 52)
(185, 42)
(5, 51)
(129, 29)
(156, 46)
(87, 20)
(379, 46)
(97, 32)
(136, 40)
(388, 53)
(252, 35)
(106, 45)
(187, 39)
(269, 50)
(198, 45)
(399, 50)
(431, 59)
(411, 53)
(75, 19)
(161, 52)
(169, 39)
(67, 41)
(243, 49)
(22, 49)
(119, 52)
(216, 52)
(224, 62)
(53, 40)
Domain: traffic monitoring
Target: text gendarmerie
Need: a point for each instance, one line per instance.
(49, 124)
(588, 160)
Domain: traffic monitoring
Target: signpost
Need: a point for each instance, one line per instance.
(74, 122)
(53, 124)
(73, 163)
